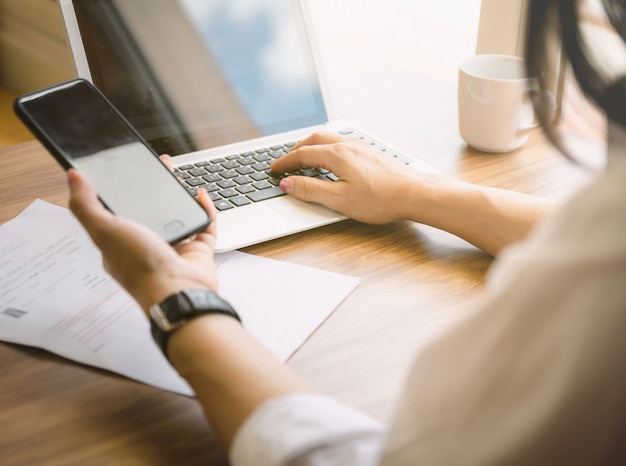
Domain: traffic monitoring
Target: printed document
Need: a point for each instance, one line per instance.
(55, 295)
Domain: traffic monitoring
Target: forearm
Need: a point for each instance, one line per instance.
(231, 373)
(489, 218)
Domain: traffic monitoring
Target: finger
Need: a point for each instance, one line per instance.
(318, 138)
(292, 161)
(317, 156)
(309, 189)
(167, 160)
(84, 202)
(211, 230)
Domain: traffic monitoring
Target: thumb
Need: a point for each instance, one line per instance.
(84, 202)
(298, 187)
(308, 189)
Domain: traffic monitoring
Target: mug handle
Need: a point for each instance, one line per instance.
(549, 97)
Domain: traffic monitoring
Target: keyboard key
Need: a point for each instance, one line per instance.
(226, 184)
(262, 157)
(195, 181)
(240, 200)
(229, 174)
(197, 171)
(261, 185)
(306, 171)
(230, 164)
(245, 189)
(182, 175)
(244, 170)
(211, 178)
(223, 205)
(247, 161)
(265, 194)
(226, 193)
(261, 166)
(214, 168)
(242, 180)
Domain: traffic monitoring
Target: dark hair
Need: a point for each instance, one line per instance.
(560, 19)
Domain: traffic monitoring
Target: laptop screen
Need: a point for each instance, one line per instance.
(196, 74)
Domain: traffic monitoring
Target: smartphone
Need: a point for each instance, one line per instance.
(83, 130)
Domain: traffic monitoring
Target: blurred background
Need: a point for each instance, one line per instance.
(353, 36)
(375, 46)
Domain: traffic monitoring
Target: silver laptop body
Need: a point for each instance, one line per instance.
(207, 80)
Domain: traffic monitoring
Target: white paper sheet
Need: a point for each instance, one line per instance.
(55, 295)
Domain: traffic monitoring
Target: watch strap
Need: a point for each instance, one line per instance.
(178, 309)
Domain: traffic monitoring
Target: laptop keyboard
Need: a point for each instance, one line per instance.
(242, 179)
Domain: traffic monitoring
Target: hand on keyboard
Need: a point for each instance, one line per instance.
(371, 186)
(241, 179)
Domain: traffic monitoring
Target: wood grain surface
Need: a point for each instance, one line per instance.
(415, 280)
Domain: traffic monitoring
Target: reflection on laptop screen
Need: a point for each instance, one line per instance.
(195, 74)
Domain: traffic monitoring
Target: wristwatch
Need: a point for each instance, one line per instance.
(178, 309)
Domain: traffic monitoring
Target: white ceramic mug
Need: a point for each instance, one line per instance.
(495, 109)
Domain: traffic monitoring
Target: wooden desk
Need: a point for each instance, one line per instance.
(414, 279)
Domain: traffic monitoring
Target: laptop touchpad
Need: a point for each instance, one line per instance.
(302, 212)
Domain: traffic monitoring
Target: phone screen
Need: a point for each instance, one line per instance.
(82, 130)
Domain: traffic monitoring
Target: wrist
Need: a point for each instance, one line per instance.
(155, 291)
(183, 308)
(426, 198)
(196, 342)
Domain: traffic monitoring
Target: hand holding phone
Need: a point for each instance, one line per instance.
(83, 130)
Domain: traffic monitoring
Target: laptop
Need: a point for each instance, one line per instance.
(223, 86)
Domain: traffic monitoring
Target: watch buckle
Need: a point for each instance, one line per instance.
(161, 320)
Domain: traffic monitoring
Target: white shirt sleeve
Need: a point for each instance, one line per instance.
(307, 429)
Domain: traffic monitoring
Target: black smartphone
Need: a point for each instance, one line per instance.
(83, 130)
